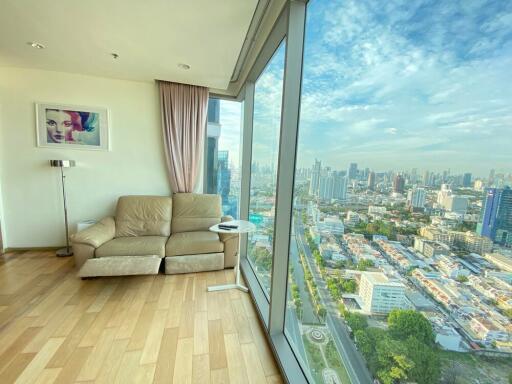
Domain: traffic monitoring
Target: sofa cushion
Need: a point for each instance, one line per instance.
(193, 243)
(194, 263)
(133, 246)
(121, 266)
(143, 216)
(195, 212)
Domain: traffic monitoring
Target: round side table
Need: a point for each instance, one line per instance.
(242, 226)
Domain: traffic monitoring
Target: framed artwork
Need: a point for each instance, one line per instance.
(72, 127)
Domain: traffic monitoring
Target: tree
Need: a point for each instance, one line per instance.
(426, 369)
(462, 279)
(404, 323)
(364, 264)
(393, 363)
(348, 286)
(321, 312)
(356, 321)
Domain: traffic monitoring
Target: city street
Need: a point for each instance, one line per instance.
(354, 362)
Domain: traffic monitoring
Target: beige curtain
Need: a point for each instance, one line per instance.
(184, 109)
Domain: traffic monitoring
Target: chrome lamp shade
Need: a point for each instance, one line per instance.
(62, 163)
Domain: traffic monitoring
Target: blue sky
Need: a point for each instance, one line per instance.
(397, 85)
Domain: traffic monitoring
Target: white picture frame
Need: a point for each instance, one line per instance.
(67, 126)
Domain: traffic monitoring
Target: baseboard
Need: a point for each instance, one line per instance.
(32, 249)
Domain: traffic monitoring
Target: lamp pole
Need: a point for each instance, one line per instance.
(65, 251)
(64, 164)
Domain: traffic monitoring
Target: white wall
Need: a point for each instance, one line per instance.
(31, 190)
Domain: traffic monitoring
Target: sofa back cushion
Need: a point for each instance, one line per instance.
(195, 212)
(143, 216)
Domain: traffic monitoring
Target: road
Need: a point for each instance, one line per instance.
(354, 362)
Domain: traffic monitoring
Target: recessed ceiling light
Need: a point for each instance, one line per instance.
(183, 66)
(36, 45)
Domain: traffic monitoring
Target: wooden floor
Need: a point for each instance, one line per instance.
(55, 327)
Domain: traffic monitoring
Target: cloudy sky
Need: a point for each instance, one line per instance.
(399, 84)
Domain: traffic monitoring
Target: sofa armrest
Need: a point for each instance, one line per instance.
(97, 234)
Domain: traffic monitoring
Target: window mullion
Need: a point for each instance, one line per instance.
(286, 164)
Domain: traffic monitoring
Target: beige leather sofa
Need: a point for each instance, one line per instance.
(147, 229)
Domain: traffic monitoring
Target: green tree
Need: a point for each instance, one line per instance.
(356, 321)
(364, 264)
(462, 279)
(393, 363)
(404, 323)
(348, 286)
(321, 312)
(426, 369)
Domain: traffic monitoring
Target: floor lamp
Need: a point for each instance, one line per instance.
(64, 164)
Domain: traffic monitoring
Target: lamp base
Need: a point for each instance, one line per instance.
(64, 252)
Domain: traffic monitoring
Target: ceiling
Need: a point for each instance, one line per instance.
(151, 37)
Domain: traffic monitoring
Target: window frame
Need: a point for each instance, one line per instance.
(290, 26)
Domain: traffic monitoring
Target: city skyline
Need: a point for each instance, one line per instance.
(421, 84)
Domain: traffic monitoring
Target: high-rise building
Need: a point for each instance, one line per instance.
(496, 218)
(416, 197)
(315, 178)
(379, 294)
(352, 171)
(371, 180)
(492, 174)
(340, 186)
(398, 184)
(454, 203)
(466, 180)
(326, 186)
(224, 175)
(426, 179)
(414, 175)
(212, 144)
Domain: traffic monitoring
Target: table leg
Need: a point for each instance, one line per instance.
(237, 284)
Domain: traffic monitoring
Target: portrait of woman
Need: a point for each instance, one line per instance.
(71, 127)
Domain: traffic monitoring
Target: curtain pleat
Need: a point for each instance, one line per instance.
(183, 109)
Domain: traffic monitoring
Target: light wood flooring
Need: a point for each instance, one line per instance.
(56, 328)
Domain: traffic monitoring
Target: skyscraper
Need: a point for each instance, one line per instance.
(416, 197)
(496, 219)
(212, 144)
(352, 171)
(414, 175)
(326, 187)
(371, 180)
(315, 178)
(426, 179)
(398, 184)
(340, 186)
(492, 173)
(224, 175)
(466, 180)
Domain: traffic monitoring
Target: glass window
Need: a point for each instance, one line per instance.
(265, 146)
(222, 153)
(402, 227)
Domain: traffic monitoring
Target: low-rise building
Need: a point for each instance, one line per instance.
(487, 331)
(332, 225)
(450, 267)
(381, 295)
(501, 261)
